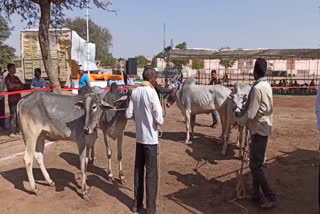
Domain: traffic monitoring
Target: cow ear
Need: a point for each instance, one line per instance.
(121, 99)
(79, 105)
(106, 105)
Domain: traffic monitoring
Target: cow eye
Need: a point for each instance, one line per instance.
(94, 107)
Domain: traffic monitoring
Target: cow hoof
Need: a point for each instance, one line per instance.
(110, 179)
(122, 178)
(123, 181)
(52, 184)
(92, 162)
(36, 191)
(86, 197)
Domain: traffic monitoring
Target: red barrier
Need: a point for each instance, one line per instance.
(6, 116)
(49, 88)
(292, 87)
(293, 104)
(107, 88)
(29, 90)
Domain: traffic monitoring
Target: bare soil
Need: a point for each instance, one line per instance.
(292, 170)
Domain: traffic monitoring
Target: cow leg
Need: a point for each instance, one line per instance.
(28, 161)
(187, 119)
(119, 144)
(39, 158)
(246, 144)
(83, 166)
(226, 138)
(109, 154)
(30, 138)
(240, 140)
(193, 122)
(223, 125)
(92, 159)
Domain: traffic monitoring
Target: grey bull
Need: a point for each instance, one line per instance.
(111, 122)
(195, 99)
(42, 114)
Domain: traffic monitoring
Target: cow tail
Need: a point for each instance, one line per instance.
(18, 114)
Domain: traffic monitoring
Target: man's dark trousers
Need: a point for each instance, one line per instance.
(257, 152)
(14, 124)
(146, 155)
(2, 113)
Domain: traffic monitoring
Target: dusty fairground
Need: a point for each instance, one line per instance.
(292, 170)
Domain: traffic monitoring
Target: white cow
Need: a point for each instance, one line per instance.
(195, 99)
(234, 105)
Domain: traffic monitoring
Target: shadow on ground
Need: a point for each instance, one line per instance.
(289, 175)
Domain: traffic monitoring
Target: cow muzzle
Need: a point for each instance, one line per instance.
(88, 131)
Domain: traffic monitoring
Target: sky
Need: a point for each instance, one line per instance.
(137, 29)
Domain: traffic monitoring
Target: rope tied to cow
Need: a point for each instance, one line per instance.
(117, 109)
(240, 187)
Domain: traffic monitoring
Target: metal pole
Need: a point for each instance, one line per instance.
(88, 56)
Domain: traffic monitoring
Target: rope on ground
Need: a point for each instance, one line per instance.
(234, 201)
(199, 164)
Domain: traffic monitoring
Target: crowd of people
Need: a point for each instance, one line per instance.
(302, 89)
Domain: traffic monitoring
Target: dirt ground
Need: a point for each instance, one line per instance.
(292, 170)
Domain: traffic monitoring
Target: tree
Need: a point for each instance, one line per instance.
(182, 46)
(49, 12)
(179, 63)
(4, 30)
(99, 35)
(108, 60)
(6, 55)
(6, 52)
(197, 63)
(141, 61)
(226, 63)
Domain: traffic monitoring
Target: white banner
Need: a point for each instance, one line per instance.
(79, 52)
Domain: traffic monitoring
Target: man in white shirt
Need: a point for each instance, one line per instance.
(146, 109)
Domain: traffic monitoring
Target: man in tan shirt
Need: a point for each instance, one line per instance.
(257, 115)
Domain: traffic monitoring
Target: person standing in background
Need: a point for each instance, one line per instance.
(38, 81)
(13, 83)
(84, 79)
(2, 101)
(214, 81)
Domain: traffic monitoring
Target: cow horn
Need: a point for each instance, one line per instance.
(123, 98)
(100, 96)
